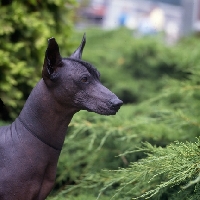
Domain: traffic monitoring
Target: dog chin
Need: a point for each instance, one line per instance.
(104, 112)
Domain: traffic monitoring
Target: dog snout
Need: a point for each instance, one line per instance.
(116, 103)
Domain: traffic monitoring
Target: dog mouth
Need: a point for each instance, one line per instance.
(104, 112)
(108, 108)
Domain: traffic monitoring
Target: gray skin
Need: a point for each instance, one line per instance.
(31, 145)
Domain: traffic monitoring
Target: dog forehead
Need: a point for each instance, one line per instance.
(82, 66)
(74, 67)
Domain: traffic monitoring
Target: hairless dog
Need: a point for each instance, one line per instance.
(31, 145)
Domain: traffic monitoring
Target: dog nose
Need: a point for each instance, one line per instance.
(116, 103)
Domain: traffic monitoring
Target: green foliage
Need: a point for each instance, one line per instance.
(2, 123)
(133, 154)
(136, 147)
(25, 28)
(171, 166)
(135, 68)
(83, 196)
(96, 142)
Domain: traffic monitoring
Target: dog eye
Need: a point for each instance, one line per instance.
(84, 79)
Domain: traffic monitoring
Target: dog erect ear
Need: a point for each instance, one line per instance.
(52, 60)
(78, 53)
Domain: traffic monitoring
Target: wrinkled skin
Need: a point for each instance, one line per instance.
(31, 145)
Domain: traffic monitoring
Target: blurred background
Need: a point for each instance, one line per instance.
(148, 53)
(176, 18)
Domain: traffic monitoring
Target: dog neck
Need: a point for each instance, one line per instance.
(45, 118)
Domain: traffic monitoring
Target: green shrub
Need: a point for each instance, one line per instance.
(135, 68)
(25, 28)
(97, 142)
(162, 83)
(136, 148)
(83, 196)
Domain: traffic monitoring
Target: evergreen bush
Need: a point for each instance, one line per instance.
(135, 68)
(136, 148)
(25, 28)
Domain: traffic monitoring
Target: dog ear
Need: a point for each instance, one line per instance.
(78, 53)
(52, 60)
